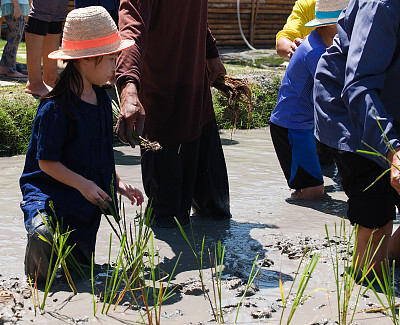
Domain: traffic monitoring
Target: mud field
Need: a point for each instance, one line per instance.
(264, 222)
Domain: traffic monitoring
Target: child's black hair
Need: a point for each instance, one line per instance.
(69, 86)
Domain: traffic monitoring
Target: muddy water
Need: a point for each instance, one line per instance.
(264, 222)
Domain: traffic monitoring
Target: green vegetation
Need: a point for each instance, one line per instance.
(21, 57)
(256, 59)
(17, 112)
(349, 275)
(310, 262)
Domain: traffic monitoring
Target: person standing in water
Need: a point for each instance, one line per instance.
(292, 121)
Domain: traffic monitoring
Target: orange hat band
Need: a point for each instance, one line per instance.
(87, 44)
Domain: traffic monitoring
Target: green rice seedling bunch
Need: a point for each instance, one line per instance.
(136, 237)
(310, 262)
(387, 286)
(199, 261)
(219, 253)
(112, 286)
(216, 278)
(349, 275)
(253, 274)
(60, 251)
(156, 286)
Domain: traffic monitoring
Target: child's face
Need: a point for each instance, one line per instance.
(100, 70)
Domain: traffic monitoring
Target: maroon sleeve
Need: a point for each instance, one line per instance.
(211, 46)
(134, 17)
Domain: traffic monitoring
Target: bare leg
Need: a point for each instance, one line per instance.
(394, 247)
(34, 50)
(50, 73)
(311, 193)
(363, 236)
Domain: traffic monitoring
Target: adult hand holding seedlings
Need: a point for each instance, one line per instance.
(215, 68)
(131, 116)
(394, 168)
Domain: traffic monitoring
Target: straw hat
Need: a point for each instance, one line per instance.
(89, 32)
(327, 12)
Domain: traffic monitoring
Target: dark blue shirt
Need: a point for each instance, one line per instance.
(82, 142)
(295, 107)
(357, 79)
(107, 4)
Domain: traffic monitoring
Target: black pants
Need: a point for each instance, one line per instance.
(179, 177)
(371, 208)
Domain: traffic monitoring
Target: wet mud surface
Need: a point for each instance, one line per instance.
(265, 223)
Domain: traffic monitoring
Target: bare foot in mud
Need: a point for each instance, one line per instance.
(38, 90)
(295, 194)
(309, 193)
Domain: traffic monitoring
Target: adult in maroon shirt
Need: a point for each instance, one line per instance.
(166, 77)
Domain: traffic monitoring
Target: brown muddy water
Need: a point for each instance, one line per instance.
(264, 222)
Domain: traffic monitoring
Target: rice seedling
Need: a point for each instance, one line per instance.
(216, 274)
(309, 267)
(236, 90)
(95, 304)
(33, 292)
(351, 274)
(61, 256)
(62, 250)
(199, 261)
(387, 285)
(155, 286)
(111, 290)
(216, 278)
(131, 268)
(250, 281)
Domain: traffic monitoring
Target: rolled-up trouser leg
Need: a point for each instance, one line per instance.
(38, 252)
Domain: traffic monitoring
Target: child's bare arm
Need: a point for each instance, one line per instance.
(17, 9)
(88, 188)
(132, 193)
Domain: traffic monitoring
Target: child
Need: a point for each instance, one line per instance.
(70, 157)
(292, 121)
(15, 12)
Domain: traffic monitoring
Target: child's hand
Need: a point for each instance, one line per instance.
(17, 11)
(94, 194)
(132, 193)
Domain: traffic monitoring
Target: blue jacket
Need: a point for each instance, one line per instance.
(357, 79)
(295, 107)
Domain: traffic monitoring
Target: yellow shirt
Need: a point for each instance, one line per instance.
(303, 11)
